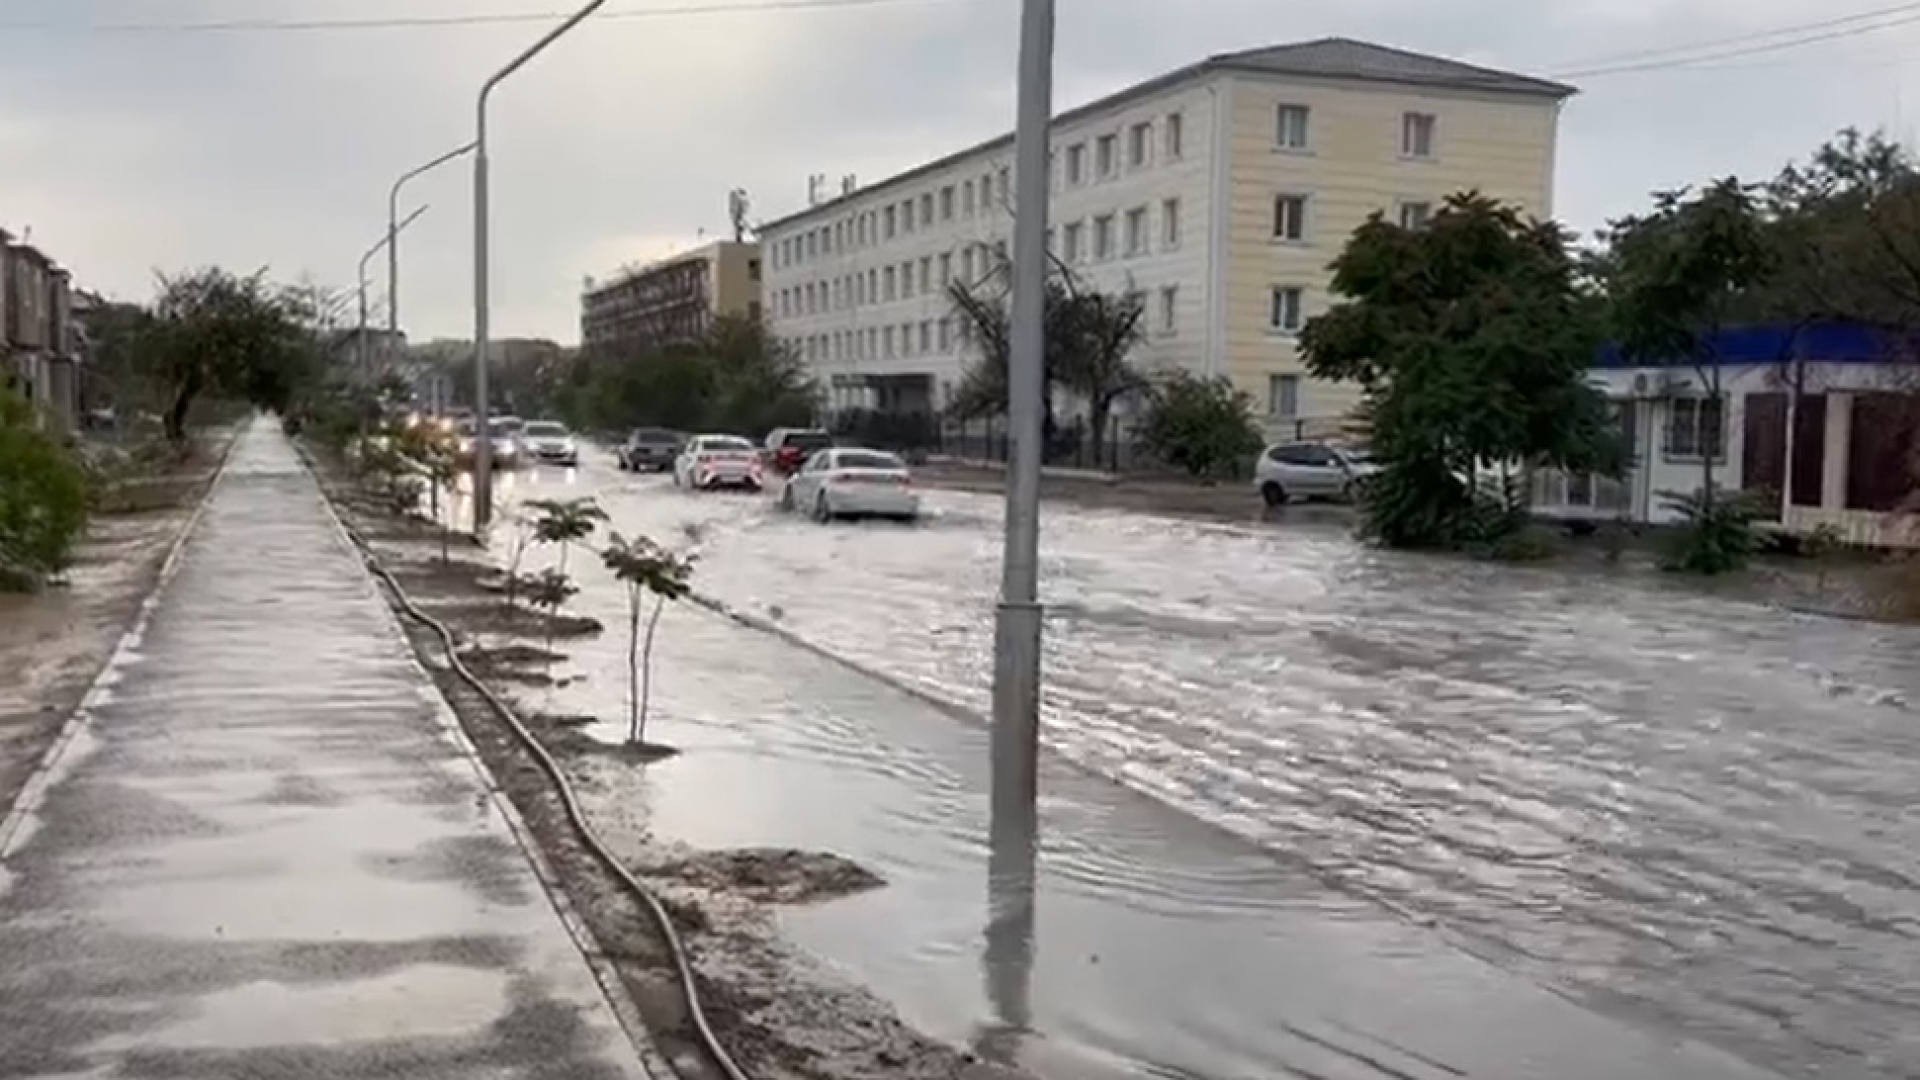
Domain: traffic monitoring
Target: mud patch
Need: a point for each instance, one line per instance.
(775, 875)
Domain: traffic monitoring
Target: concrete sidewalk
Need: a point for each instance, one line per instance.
(264, 851)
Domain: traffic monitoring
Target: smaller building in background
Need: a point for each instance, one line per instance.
(1822, 421)
(673, 301)
(38, 346)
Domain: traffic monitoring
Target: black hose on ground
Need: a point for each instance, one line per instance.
(576, 817)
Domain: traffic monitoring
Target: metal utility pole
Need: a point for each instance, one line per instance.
(1016, 645)
(482, 444)
(393, 232)
(360, 337)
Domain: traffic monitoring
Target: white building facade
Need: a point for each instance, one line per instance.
(1217, 194)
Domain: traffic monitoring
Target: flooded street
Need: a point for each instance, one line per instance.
(1690, 813)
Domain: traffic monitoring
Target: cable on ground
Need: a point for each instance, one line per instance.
(576, 817)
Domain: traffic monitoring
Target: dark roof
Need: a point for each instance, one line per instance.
(1321, 58)
(1773, 343)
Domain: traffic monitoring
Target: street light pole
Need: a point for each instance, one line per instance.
(482, 444)
(393, 232)
(1017, 622)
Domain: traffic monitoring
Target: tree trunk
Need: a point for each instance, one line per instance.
(646, 668)
(635, 724)
(1099, 415)
(176, 419)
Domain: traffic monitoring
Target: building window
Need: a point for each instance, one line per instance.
(946, 335)
(1174, 137)
(966, 265)
(1283, 396)
(1290, 218)
(1103, 237)
(1139, 145)
(1285, 315)
(1290, 129)
(753, 269)
(906, 281)
(1103, 162)
(1416, 135)
(966, 198)
(926, 336)
(926, 273)
(886, 342)
(890, 223)
(1695, 428)
(1170, 224)
(986, 193)
(892, 284)
(926, 209)
(1414, 215)
(946, 268)
(1001, 181)
(1137, 231)
(1077, 164)
(1070, 243)
(946, 203)
(906, 216)
(1169, 309)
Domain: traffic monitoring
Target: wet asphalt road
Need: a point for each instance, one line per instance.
(1692, 814)
(266, 853)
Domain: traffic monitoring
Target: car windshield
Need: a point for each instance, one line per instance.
(807, 441)
(866, 459)
(653, 435)
(725, 442)
(547, 429)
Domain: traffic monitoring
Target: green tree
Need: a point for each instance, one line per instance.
(1203, 426)
(214, 332)
(1681, 275)
(646, 570)
(1845, 226)
(43, 498)
(1470, 338)
(738, 378)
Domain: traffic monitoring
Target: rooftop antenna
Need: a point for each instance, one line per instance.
(738, 207)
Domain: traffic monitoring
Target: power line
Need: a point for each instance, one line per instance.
(416, 22)
(1636, 56)
(1651, 64)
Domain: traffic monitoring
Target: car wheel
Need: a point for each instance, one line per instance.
(1273, 494)
(822, 509)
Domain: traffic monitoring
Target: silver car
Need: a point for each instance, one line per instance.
(1311, 470)
(850, 482)
(551, 442)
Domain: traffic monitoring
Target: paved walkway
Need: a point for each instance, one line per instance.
(265, 854)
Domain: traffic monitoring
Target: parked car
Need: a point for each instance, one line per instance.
(717, 461)
(551, 442)
(789, 448)
(851, 482)
(1311, 470)
(649, 450)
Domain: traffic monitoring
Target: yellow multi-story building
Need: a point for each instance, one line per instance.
(1218, 193)
(673, 301)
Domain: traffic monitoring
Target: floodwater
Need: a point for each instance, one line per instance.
(1689, 814)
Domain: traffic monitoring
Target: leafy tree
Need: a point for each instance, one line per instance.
(1470, 338)
(216, 332)
(1682, 273)
(1204, 426)
(646, 569)
(737, 378)
(1846, 226)
(43, 498)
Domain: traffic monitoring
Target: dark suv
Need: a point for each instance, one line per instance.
(789, 448)
(649, 450)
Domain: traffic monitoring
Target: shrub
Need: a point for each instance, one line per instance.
(1202, 426)
(1718, 535)
(43, 499)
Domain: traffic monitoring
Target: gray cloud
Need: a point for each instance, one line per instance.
(130, 152)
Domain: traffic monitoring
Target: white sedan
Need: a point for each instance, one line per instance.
(848, 482)
(717, 461)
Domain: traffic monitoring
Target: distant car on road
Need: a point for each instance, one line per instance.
(717, 461)
(551, 442)
(649, 449)
(789, 448)
(851, 482)
(505, 447)
(1311, 470)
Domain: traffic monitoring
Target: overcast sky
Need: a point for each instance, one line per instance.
(128, 152)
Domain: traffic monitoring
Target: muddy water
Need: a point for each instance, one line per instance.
(1690, 813)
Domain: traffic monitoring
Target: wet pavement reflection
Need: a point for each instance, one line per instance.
(266, 852)
(1620, 791)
